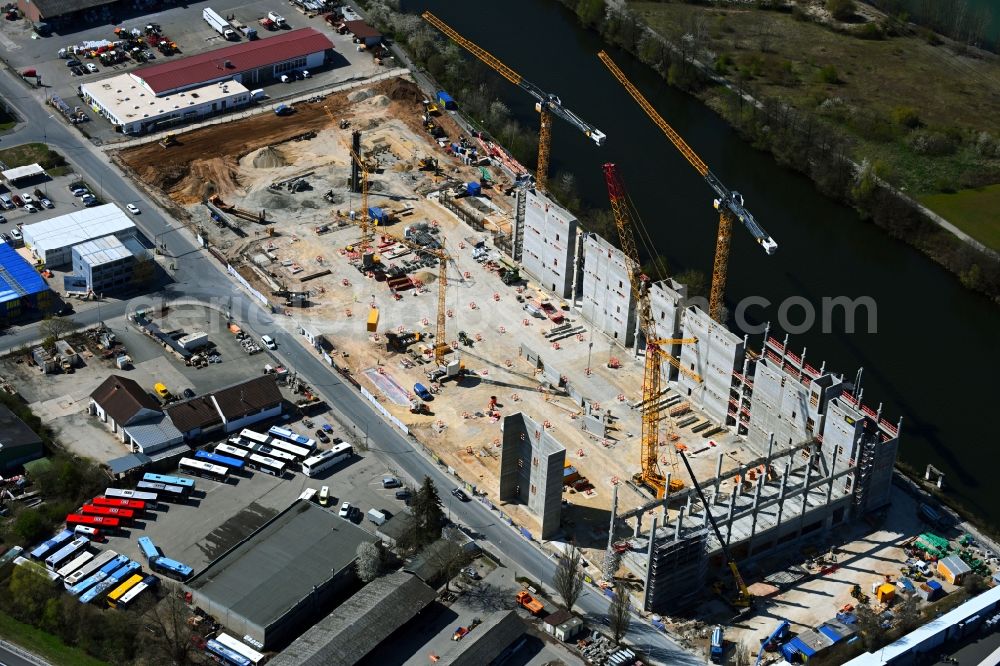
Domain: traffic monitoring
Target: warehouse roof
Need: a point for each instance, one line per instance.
(128, 463)
(76, 227)
(17, 276)
(102, 251)
(154, 433)
(52, 8)
(361, 30)
(26, 171)
(14, 432)
(248, 397)
(125, 98)
(283, 562)
(232, 60)
(199, 412)
(359, 624)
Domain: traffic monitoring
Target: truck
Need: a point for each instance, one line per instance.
(277, 20)
(219, 24)
(244, 29)
(533, 605)
(715, 649)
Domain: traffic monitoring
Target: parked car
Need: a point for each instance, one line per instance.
(459, 494)
(30, 208)
(403, 494)
(3, 220)
(16, 234)
(66, 309)
(188, 393)
(90, 202)
(390, 482)
(45, 202)
(27, 198)
(132, 208)
(471, 573)
(422, 392)
(6, 201)
(322, 436)
(268, 342)
(17, 200)
(324, 495)
(73, 62)
(91, 67)
(5, 238)
(79, 191)
(346, 510)
(76, 71)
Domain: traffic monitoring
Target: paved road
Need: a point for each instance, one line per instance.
(200, 277)
(9, 657)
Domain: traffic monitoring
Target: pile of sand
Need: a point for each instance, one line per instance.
(380, 101)
(359, 95)
(269, 157)
(402, 90)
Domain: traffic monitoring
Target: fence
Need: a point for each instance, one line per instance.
(384, 412)
(246, 285)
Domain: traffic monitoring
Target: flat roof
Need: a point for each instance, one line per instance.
(231, 60)
(18, 277)
(23, 172)
(102, 251)
(125, 97)
(281, 563)
(76, 227)
(14, 432)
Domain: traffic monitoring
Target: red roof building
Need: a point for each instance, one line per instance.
(251, 63)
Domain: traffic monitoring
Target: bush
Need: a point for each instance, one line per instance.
(869, 31)
(932, 143)
(828, 75)
(842, 10)
(906, 116)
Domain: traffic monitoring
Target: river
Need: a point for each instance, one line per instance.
(925, 318)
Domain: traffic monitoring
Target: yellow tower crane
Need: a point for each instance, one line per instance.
(546, 104)
(656, 349)
(729, 204)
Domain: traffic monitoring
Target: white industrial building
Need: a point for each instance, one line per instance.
(608, 301)
(133, 108)
(105, 264)
(549, 244)
(52, 240)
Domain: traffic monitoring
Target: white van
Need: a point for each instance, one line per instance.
(6, 202)
(324, 495)
(376, 516)
(257, 94)
(268, 342)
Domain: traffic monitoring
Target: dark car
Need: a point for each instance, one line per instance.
(66, 309)
(322, 436)
(458, 494)
(3, 220)
(188, 393)
(76, 71)
(73, 62)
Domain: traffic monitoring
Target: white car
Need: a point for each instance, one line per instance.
(268, 342)
(27, 198)
(16, 234)
(30, 208)
(345, 510)
(132, 208)
(91, 67)
(47, 203)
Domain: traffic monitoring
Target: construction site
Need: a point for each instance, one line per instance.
(423, 263)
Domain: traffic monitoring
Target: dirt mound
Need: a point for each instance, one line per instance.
(218, 175)
(402, 90)
(427, 277)
(269, 157)
(359, 95)
(380, 101)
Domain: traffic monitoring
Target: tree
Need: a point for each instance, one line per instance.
(29, 525)
(908, 613)
(590, 11)
(620, 612)
(870, 626)
(449, 556)
(427, 512)
(57, 327)
(30, 590)
(568, 577)
(170, 642)
(842, 10)
(974, 584)
(697, 283)
(370, 561)
(741, 655)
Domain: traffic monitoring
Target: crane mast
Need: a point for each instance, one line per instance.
(730, 204)
(546, 104)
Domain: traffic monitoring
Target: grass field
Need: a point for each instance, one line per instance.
(26, 153)
(972, 211)
(44, 644)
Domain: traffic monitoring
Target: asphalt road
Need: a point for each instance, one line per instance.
(200, 277)
(11, 658)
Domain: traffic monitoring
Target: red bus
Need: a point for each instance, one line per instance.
(135, 505)
(124, 514)
(103, 522)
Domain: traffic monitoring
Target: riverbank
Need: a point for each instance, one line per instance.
(828, 113)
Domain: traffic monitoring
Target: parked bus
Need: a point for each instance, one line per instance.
(147, 583)
(204, 469)
(231, 462)
(103, 522)
(89, 568)
(81, 558)
(251, 438)
(283, 435)
(172, 568)
(50, 546)
(232, 451)
(327, 459)
(225, 655)
(66, 553)
(181, 481)
(20, 561)
(113, 565)
(148, 548)
(265, 464)
(122, 589)
(109, 511)
(277, 454)
(241, 648)
(110, 582)
(166, 491)
(119, 493)
(135, 505)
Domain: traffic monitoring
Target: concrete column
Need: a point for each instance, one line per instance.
(614, 513)
(770, 447)
(805, 488)
(756, 502)
(577, 257)
(833, 472)
(667, 486)
(718, 475)
(649, 565)
(729, 518)
(680, 523)
(781, 490)
(704, 521)
(638, 525)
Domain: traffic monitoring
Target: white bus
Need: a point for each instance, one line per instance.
(89, 568)
(20, 561)
(240, 648)
(252, 438)
(202, 468)
(296, 444)
(232, 451)
(126, 599)
(327, 459)
(300, 452)
(63, 556)
(277, 454)
(266, 465)
(119, 493)
(77, 562)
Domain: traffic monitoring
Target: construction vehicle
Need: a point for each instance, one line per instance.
(743, 598)
(168, 140)
(729, 204)
(626, 220)
(546, 104)
(773, 640)
(716, 651)
(859, 595)
(533, 605)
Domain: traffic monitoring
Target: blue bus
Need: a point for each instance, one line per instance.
(218, 459)
(148, 548)
(50, 546)
(172, 568)
(298, 445)
(96, 578)
(226, 655)
(165, 491)
(181, 481)
(111, 581)
(65, 554)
